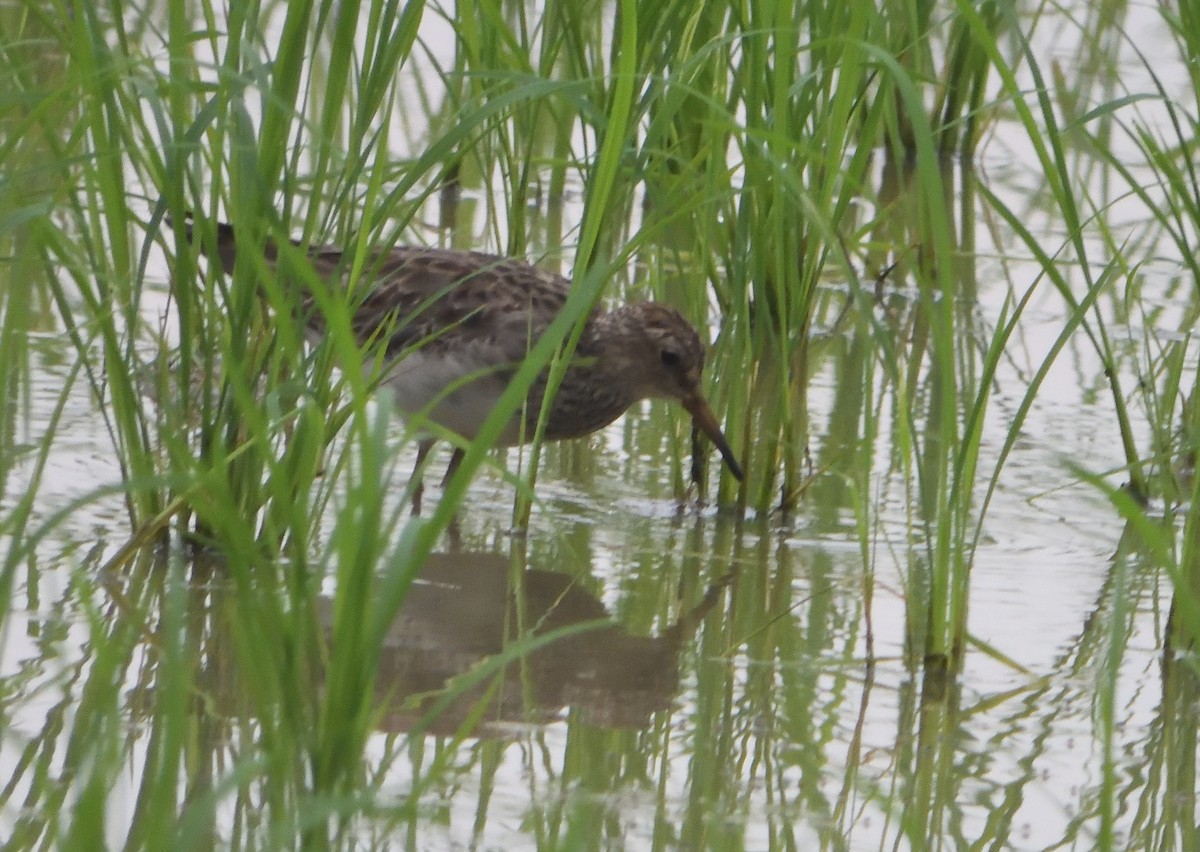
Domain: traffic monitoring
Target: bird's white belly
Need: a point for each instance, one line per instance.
(419, 381)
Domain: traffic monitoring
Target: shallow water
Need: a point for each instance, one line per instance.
(727, 684)
(809, 744)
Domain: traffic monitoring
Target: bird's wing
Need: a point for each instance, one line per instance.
(409, 295)
(412, 296)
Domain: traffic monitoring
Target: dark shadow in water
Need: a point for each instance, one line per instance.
(466, 607)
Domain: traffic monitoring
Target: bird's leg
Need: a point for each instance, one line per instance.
(423, 448)
(453, 531)
(455, 460)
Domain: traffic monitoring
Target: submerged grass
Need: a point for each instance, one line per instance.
(734, 160)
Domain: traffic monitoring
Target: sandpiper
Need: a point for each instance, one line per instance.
(454, 325)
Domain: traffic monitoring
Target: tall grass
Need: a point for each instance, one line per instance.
(225, 427)
(1166, 183)
(784, 173)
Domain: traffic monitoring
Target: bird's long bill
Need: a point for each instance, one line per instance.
(703, 417)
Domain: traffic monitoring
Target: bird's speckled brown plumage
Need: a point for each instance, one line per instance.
(441, 315)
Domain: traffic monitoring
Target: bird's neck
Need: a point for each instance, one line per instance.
(596, 390)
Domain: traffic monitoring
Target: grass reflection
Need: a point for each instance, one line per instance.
(947, 279)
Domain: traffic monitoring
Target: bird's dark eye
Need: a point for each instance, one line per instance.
(670, 358)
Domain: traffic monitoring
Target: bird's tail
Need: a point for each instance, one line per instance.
(226, 247)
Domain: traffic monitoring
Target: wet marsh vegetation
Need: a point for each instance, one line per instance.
(944, 257)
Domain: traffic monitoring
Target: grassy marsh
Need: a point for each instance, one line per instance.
(945, 258)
